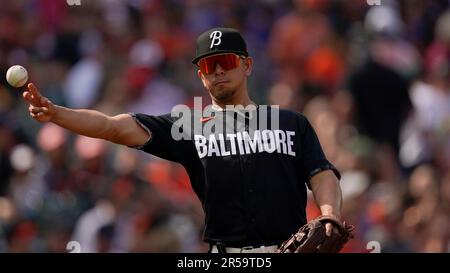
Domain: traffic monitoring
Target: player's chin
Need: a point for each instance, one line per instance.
(222, 93)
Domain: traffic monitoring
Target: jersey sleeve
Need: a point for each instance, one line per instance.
(312, 157)
(160, 143)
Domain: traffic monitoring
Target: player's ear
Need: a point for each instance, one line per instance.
(248, 65)
(202, 77)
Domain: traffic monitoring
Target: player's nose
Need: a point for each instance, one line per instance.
(219, 70)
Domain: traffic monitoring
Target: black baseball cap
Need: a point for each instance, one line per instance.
(220, 40)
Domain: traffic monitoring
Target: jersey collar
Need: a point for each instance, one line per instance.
(245, 114)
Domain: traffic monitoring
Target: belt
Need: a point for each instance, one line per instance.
(247, 249)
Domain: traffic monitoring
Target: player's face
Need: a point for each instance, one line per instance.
(224, 75)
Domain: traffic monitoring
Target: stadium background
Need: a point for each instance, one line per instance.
(373, 80)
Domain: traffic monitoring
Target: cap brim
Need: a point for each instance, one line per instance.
(194, 61)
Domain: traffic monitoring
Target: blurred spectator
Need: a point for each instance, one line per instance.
(83, 80)
(428, 128)
(308, 63)
(380, 92)
(27, 188)
(91, 232)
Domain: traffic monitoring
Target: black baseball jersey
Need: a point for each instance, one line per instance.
(251, 183)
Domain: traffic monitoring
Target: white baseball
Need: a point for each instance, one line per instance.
(17, 76)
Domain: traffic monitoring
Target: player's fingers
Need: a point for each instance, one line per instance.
(35, 95)
(30, 98)
(43, 110)
(37, 115)
(27, 96)
(328, 229)
(32, 88)
(45, 102)
(35, 110)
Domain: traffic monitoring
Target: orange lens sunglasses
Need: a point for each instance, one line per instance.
(227, 61)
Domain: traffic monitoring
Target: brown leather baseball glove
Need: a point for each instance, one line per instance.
(311, 238)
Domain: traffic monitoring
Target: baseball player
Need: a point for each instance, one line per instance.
(252, 182)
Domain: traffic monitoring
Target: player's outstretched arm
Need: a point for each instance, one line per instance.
(120, 129)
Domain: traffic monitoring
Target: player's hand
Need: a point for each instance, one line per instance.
(40, 107)
(329, 229)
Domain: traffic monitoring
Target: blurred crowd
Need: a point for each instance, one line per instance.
(373, 80)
